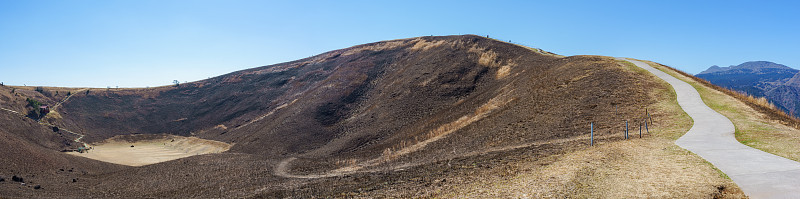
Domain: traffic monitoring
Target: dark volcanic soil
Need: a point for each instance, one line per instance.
(375, 101)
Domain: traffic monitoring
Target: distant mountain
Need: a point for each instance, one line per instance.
(758, 67)
(778, 83)
(714, 68)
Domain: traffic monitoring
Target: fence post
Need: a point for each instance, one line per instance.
(626, 129)
(640, 129)
(591, 140)
(648, 116)
(645, 126)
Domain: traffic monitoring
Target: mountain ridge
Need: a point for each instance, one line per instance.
(751, 66)
(778, 83)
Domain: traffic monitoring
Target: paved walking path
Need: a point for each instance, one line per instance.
(759, 174)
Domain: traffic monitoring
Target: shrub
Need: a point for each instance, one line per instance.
(36, 105)
(33, 103)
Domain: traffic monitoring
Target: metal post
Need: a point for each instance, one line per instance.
(626, 129)
(591, 140)
(645, 127)
(640, 130)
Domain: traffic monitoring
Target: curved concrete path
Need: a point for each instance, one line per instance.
(758, 174)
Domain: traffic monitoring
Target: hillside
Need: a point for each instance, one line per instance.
(794, 81)
(410, 87)
(368, 119)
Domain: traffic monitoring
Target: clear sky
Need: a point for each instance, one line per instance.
(138, 43)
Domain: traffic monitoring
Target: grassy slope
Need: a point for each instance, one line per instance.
(649, 167)
(753, 128)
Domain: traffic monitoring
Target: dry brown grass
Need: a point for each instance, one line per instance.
(488, 58)
(404, 147)
(652, 167)
(503, 71)
(375, 47)
(644, 168)
(419, 142)
(53, 115)
(221, 126)
(422, 44)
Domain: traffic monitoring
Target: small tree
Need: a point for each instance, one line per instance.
(33, 103)
(176, 82)
(87, 91)
(36, 105)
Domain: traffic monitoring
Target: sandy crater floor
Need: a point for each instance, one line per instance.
(150, 151)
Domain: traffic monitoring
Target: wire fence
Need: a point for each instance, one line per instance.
(645, 122)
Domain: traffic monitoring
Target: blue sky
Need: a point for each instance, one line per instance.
(81, 43)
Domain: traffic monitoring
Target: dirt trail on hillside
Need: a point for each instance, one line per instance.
(9, 110)
(432, 136)
(78, 140)
(65, 99)
(282, 169)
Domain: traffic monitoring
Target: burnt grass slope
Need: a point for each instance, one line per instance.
(31, 154)
(360, 97)
(403, 102)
